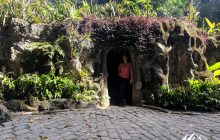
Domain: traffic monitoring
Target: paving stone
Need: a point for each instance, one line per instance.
(6, 136)
(21, 132)
(113, 135)
(215, 138)
(5, 132)
(103, 133)
(105, 138)
(94, 135)
(112, 123)
(125, 136)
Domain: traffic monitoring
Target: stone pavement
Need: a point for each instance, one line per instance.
(113, 123)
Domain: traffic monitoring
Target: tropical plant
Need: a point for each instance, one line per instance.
(7, 86)
(171, 8)
(46, 86)
(55, 87)
(110, 9)
(45, 57)
(196, 95)
(193, 14)
(45, 11)
(27, 85)
(215, 71)
(213, 27)
(40, 11)
(82, 92)
(139, 7)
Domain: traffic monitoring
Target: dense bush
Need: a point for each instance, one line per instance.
(137, 33)
(44, 87)
(195, 95)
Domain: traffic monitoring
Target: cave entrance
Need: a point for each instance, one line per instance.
(114, 58)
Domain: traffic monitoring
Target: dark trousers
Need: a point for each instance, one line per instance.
(124, 89)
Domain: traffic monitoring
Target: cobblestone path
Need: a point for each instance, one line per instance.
(113, 123)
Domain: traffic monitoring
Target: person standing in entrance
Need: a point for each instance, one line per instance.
(125, 77)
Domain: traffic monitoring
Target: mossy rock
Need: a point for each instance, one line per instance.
(17, 105)
(58, 104)
(45, 105)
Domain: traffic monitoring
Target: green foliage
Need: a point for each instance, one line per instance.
(125, 8)
(55, 87)
(27, 85)
(44, 57)
(171, 8)
(7, 86)
(82, 92)
(193, 14)
(110, 9)
(138, 7)
(215, 70)
(196, 95)
(44, 87)
(47, 49)
(212, 26)
(214, 67)
(39, 11)
(45, 11)
(78, 75)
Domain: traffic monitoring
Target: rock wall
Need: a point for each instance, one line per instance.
(163, 51)
(37, 48)
(19, 46)
(173, 52)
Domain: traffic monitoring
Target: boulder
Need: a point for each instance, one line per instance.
(70, 104)
(19, 105)
(14, 104)
(82, 104)
(45, 105)
(58, 104)
(34, 102)
(4, 114)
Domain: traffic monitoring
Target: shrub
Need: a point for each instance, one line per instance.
(56, 87)
(7, 86)
(46, 86)
(27, 85)
(133, 33)
(196, 95)
(82, 92)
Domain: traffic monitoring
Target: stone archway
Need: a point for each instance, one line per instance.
(114, 58)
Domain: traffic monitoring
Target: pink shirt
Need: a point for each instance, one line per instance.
(124, 70)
